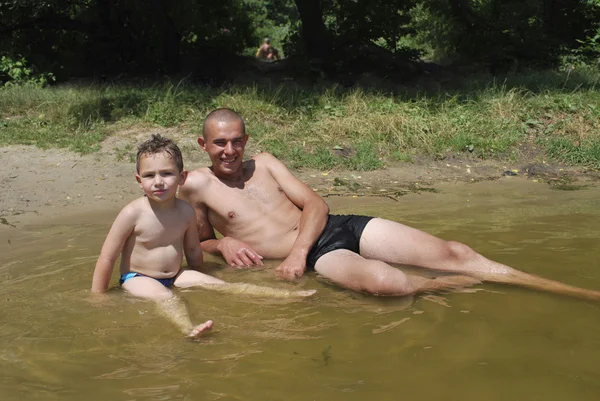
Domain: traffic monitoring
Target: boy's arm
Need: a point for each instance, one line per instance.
(113, 245)
(312, 221)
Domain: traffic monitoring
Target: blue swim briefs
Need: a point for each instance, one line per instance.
(167, 282)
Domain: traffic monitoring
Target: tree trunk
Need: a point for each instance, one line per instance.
(170, 38)
(314, 33)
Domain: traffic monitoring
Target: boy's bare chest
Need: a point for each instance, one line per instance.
(163, 231)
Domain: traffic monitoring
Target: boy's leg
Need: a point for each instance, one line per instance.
(393, 242)
(354, 272)
(171, 306)
(192, 278)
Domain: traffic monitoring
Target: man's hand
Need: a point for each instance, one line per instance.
(292, 267)
(238, 253)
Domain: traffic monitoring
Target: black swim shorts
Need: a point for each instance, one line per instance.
(341, 232)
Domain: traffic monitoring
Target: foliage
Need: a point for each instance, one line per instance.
(270, 18)
(18, 72)
(103, 38)
(503, 34)
(95, 37)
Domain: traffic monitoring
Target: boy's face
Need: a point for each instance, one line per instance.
(159, 176)
(225, 143)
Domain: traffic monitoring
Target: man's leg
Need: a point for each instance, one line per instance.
(393, 242)
(168, 304)
(193, 278)
(354, 272)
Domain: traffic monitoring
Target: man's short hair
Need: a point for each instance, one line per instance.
(158, 144)
(222, 115)
(267, 40)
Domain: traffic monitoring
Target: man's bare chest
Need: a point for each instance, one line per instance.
(239, 206)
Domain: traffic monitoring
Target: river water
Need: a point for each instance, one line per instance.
(491, 342)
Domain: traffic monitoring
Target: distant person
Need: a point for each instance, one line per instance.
(267, 52)
(264, 211)
(153, 233)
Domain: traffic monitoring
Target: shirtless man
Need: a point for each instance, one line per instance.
(267, 52)
(263, 211)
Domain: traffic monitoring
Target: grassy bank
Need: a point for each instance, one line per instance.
(328, 126)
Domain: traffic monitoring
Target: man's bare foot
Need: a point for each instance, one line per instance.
(201, 328)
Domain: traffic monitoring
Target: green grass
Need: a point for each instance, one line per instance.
(327, 127)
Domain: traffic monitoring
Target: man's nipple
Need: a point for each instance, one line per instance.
(231, 215)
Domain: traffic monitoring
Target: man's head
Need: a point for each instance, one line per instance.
(224, 139)
(159, 167)
(268, 41)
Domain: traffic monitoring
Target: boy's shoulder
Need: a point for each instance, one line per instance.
(133, 209)
(136, 205)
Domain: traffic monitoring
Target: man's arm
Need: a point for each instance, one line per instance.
(312, 221)
(113, 245)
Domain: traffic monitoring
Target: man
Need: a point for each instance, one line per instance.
(263, 211)
(267, 52)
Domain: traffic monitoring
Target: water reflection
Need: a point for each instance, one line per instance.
(492, 342)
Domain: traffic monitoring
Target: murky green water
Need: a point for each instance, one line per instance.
(497, 343)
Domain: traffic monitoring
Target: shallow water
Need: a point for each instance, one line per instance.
(495, 343)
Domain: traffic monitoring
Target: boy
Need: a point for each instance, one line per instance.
(153, 233)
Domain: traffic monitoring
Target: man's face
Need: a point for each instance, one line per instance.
(225, 143)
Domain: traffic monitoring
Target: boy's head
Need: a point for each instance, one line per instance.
(160, 169)
(158, 144)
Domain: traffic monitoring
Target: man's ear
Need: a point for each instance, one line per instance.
(182, 177)
(202, 143)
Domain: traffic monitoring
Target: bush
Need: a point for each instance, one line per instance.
(17, 72)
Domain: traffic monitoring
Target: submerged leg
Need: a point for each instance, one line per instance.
(169, 305)
(193, 278)
(354, 272)
(393, 242)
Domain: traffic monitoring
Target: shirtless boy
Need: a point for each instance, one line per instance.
(153, 233)
(263, 211)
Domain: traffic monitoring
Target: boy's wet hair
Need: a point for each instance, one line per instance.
(158, 144)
